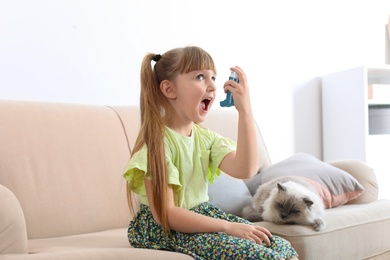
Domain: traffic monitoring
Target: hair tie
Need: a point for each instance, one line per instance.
(156, 58)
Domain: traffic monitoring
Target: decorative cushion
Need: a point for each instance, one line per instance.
(335, 186)
(229, 194)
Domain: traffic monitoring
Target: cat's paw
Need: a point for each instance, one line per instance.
(318, 224)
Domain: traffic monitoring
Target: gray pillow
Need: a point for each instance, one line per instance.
(335, 186)
(229, 194)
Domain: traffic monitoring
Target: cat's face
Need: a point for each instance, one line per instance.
(289, 206)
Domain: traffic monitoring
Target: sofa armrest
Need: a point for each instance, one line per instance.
(363, 174)
(13, 232)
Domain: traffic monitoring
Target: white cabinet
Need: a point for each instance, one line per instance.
(346, 124)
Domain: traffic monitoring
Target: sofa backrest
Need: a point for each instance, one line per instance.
(64, 163)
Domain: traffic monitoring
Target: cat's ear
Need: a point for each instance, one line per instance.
(308, 202)
(281, 188)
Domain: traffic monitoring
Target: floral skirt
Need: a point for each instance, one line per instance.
(144, 232)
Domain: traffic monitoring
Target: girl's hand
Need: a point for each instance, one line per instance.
(257, 234)
(240, 91)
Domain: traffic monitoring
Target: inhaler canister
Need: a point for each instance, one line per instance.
(233, 76)
(228, 102)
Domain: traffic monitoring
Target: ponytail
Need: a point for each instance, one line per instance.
(152, 135)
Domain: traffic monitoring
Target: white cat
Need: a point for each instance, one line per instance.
(287, 200)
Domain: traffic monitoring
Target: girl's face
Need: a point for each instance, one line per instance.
(194, 95)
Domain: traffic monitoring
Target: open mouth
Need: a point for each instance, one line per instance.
(205, 105)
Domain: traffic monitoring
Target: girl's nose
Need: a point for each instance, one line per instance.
(211, 86)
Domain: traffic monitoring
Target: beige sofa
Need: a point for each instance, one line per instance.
(62, 195)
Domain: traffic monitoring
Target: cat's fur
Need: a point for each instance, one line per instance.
(287, 200)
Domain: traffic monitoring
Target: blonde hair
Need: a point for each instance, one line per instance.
(153, 103)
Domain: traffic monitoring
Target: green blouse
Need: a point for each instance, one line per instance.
(192, 162)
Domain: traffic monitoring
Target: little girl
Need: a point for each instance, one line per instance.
(174, 159)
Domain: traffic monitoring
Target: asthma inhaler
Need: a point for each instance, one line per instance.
(228, 102)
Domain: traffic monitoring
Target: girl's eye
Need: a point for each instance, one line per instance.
(213, 79)
(200, 77)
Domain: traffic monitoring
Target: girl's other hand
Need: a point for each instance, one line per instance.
(257, 234)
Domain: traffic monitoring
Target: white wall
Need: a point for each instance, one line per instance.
(89, 51)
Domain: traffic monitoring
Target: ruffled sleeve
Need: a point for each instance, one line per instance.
(136, 170)
(220, 147)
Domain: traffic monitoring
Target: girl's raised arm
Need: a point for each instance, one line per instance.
(243, 162)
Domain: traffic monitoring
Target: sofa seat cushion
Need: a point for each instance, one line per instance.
(114, 238)
(110, 244)
(352, 232)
